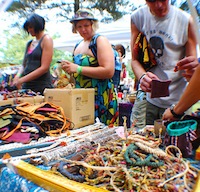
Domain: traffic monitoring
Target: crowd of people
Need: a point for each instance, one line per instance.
(168, 30)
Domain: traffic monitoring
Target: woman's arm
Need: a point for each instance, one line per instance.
(47, 54)
(190, 96)
(105, 57)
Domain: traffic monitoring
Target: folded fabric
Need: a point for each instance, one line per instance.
(3, 131)
(4, 107)
(18, 136)
(5, 120)
(47, 109)
(160, 88)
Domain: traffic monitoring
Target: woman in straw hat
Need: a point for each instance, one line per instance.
(94, 71)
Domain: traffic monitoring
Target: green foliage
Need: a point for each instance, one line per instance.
(26, 7)
(14, 47)
(112, 7)
(129, 69)
(58, 55)
(117, 8)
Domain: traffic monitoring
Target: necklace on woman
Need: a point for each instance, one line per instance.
(34, 43)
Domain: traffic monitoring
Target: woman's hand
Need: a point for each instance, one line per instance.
(145, 82)
(69, 67)
(167, 115)
(17, 82)
(188, 64)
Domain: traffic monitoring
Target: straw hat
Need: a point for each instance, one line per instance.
(82, 14)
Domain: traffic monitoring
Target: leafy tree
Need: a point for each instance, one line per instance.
(14, 48)
(15, 45)
(25, 7)
(112, 7)
(116, 8)
(184, 5)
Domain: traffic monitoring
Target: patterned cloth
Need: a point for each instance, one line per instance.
(144, 52)
(11, 182)
(106, 108)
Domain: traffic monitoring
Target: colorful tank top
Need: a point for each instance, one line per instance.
(106, 108)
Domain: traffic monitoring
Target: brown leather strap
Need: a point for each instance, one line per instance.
(11, 132)
(29, 111)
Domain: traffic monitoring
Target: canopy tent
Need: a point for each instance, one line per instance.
(116, 32)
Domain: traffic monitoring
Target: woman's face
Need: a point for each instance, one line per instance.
(159, 8)
(84, 28)
(31, 30)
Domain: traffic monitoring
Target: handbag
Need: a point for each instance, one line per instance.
(181, 134)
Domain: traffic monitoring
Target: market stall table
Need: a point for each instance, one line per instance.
(119, 157)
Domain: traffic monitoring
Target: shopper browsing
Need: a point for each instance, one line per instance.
(94, 72)
(170, 32)
(35, 71)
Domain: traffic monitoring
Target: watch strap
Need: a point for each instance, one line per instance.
(178, 116)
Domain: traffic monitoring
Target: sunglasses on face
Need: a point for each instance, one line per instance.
(153, 1)
(81, 14)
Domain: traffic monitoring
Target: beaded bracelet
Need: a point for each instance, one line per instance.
(79, 70)
(76, 177)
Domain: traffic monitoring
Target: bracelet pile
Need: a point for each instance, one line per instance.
(97, 156)
(109, 167)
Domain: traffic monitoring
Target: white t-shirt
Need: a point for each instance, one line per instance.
(167, 36)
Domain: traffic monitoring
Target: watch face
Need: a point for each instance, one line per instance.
(174, 114)
(172, 107)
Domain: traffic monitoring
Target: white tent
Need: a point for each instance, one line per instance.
(116, 32)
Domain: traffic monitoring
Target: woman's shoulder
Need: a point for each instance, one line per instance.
(47, 37)
(101, 39)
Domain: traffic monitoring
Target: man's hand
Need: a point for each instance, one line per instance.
(145, 82)
(188, 65)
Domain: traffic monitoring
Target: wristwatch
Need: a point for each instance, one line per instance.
(178, 116)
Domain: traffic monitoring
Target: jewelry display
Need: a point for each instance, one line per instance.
(95, 155)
